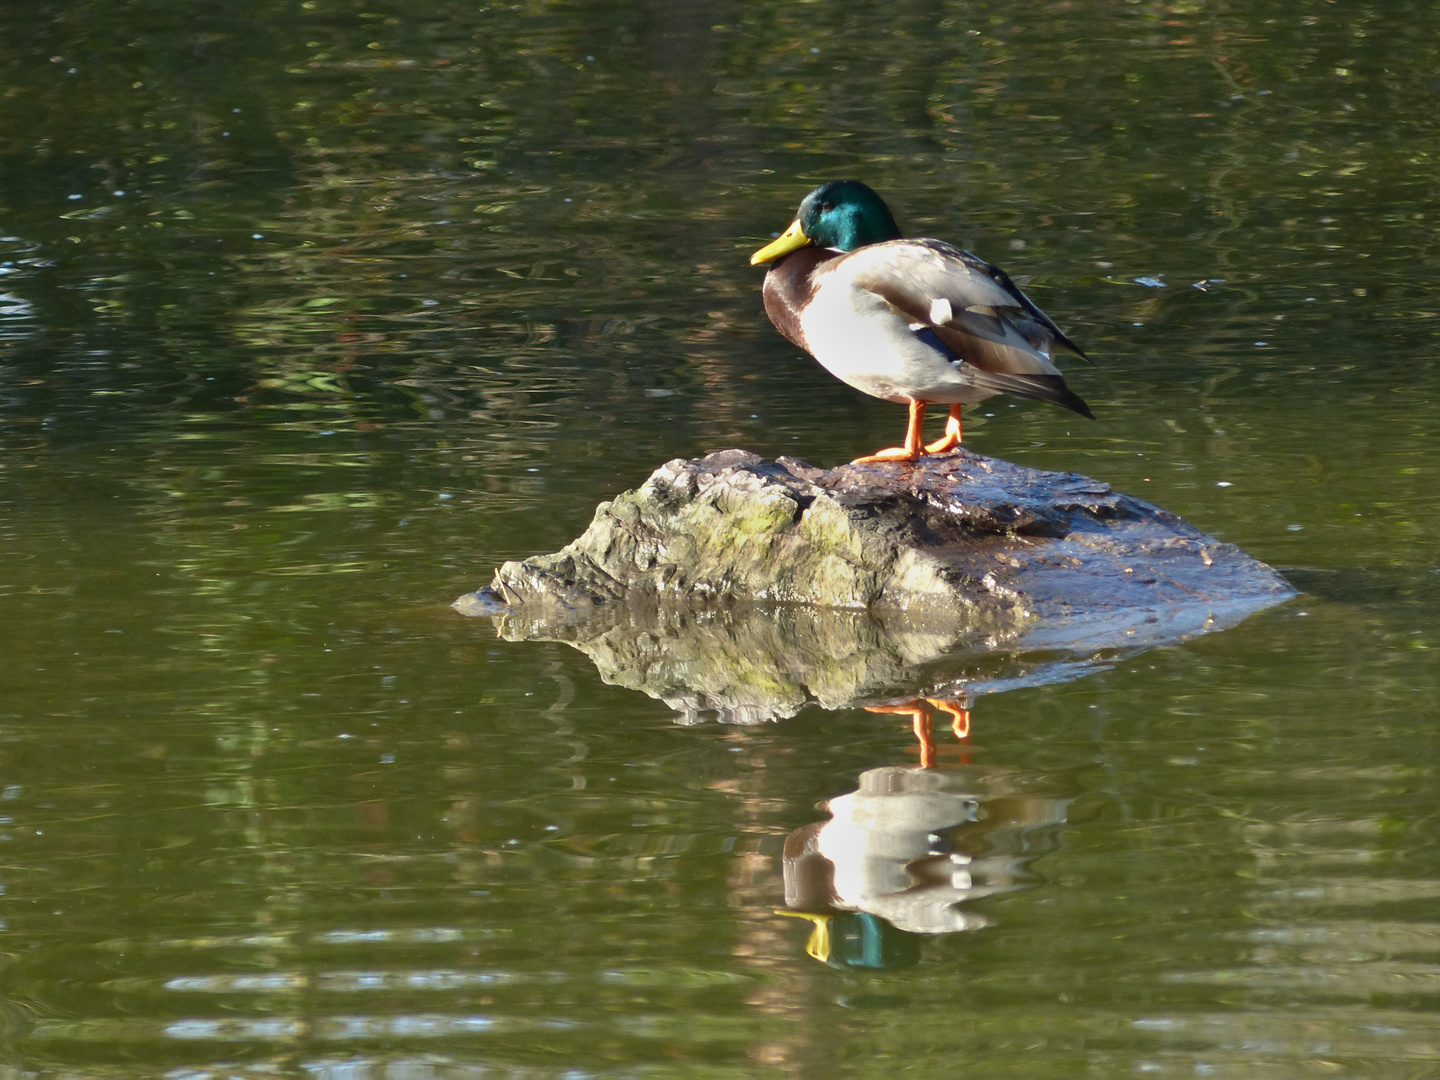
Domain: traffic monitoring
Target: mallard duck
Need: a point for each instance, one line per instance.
(909, 321)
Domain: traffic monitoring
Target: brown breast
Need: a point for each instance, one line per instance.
(789, 285)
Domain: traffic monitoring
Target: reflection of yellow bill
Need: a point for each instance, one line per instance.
(792, 238)
(819, 944)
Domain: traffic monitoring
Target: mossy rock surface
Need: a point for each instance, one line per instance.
(963, 539)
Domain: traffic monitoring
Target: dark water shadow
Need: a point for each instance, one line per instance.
(1381, 587)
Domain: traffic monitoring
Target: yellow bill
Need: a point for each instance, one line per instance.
(792, 238)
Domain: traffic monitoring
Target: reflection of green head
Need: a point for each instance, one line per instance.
(859, 940)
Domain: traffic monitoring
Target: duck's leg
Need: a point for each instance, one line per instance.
(952, 433)
(914, 440)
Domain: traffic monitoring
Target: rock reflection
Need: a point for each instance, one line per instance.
(749, 663)
(903, 852)
(903, 855)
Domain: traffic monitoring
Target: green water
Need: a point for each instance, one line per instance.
(313, 312)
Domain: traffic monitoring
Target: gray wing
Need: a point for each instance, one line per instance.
(981, 299)
(975, 311)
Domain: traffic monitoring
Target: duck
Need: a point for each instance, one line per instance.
(913, 321)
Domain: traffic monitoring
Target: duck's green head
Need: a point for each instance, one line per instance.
(843, 214)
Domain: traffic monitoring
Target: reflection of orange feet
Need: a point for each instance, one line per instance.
(922, 720)
(959, 715)
(952, 434)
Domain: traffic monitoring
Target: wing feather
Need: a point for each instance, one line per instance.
(972, 310)
(920, 278)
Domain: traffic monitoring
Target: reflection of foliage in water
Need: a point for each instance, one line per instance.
(235, 450)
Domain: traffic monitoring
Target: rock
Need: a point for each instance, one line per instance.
(955, 535)
(752, 588)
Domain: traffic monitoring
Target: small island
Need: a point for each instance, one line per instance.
(954, 537)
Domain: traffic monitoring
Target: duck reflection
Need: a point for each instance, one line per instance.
(902, 853)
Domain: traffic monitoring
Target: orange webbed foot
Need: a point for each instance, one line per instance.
(951, 438)
(894, 453)
(914, 447)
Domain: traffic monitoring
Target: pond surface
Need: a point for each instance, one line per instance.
(311, 313)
